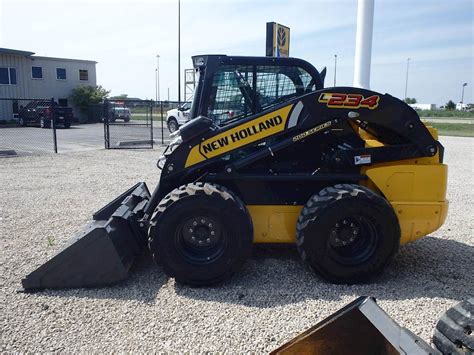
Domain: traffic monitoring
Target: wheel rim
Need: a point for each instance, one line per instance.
(172, 126)
(200, 239)
(353, 240)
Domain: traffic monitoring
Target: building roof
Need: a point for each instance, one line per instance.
(30, 54)
(16, 52)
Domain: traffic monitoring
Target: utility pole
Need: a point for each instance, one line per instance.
(406, 80)
(335, 68)
(462, 96)
(168, 94)
(157, 77)
(179, 52)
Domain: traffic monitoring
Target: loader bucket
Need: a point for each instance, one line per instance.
(361, 327)
(102, 252)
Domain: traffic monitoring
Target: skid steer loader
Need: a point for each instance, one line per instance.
(270, 156)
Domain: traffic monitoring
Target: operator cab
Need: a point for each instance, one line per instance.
(233, 88)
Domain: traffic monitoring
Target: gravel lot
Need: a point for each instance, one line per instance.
(46, 199)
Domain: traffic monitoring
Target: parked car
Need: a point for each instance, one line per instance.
(42, 113)
(119, 112)
(178, 116)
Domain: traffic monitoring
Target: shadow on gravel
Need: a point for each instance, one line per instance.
(429, 268)
(274, 276)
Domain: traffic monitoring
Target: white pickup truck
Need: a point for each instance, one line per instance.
(178, 116)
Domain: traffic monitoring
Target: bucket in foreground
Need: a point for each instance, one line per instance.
(361, 327)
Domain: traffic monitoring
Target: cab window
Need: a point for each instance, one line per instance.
(240, 91)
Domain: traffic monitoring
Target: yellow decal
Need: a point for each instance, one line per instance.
(249, 132)
(336, 100)
(311, 131)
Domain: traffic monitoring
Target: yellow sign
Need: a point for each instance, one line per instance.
(249, 132)
(281, 40)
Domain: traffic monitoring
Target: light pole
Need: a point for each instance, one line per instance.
(462, 96)
(406, 80)
(335, 68)
(157, 83)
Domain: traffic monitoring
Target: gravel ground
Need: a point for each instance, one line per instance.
(46, 199)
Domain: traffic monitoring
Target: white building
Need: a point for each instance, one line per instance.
(423, 106)
(26, 76)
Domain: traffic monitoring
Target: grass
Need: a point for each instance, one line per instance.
(446, 113)
(453, 129)
(51, 241)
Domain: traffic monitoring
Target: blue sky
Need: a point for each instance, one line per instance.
(125, 36)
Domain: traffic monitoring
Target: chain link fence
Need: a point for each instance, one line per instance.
(24, 121)
(42, 126)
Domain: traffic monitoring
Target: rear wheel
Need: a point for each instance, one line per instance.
(347, 233)
(67, 124)
(200, 233)
(21, 122)
(173, 125)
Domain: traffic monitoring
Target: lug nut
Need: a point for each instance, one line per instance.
(344, 243)
(203, 220)
(352, 224)
(354, 232)
(208, 240)
(345, 222)
(200, 242)
(210, 225)
(337, 225)
(195, 223)
(193, 238)
(190, 230)
(212, 233)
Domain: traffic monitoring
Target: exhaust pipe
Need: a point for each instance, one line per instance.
(103, 252)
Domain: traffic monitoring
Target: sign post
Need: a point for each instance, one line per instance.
(278, 40)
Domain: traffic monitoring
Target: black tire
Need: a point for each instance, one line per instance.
(347, 233)
(173, 125)
(454, 330)
(67, 124)
(126, 119)
(200, 233)
(45, 123)
(21, 122)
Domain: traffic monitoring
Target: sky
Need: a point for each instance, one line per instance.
(124, 37)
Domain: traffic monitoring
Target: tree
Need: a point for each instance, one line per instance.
(450, 105)
(83, 96)
(410, 100)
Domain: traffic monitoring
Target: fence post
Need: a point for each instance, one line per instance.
(53, 126)
(162, 132)
(151, 120)
(106, 124)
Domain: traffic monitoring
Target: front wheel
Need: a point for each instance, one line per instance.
(45, 123)
(173, 125)
(200, 233)
(21, 122)
(347, 233)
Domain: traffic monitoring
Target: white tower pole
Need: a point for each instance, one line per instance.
(363, 53)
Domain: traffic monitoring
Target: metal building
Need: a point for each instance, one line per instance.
(25, 76)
